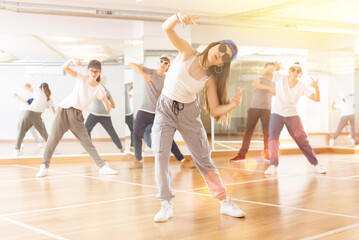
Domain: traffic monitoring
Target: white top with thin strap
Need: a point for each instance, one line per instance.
(180, 85)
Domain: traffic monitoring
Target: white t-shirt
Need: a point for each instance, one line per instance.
(346, 107)
(286, 98)
(82, 94)
(40, 102)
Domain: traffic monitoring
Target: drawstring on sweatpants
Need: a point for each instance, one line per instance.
(176, 107)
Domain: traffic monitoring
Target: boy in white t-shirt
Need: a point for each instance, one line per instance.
(69, 114)
(284, 112)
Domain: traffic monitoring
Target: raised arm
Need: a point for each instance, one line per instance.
(139, 69)
(217, 109)
(179, 43)
(257, 84)
(274, 67)
(68, 70)
(19, 98)
(315, 96)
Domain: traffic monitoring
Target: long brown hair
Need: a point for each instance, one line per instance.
(46, 89)
(221, 80)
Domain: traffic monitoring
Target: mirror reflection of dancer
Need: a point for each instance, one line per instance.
(146, 114)
(284, 112)
(129, 112)
(177, 109)
(99, 114)
(346, 105)
(22, 109)
(32, 116)
(260, 108)
(69, 114)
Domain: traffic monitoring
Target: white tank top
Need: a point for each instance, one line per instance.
(179, 85)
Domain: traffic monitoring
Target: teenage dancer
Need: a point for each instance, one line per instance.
(288, 91)
(32, 116)
(346, 105)
(177, 109)
(23, 107)
(99, 114)
(69, 114)
(264, 89)
(146, 114)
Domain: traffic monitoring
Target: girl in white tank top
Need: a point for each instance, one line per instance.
(177, 109)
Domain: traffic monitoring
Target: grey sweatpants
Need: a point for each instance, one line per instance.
(188, 123)
(30, 119)
(70, 119)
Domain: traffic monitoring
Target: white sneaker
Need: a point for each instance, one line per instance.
(165, 213)
(331, 142)
(320, 169)
(271, 170)
(16, 152)
(230, 208)
(22, 146)
(43, 171)
(107, 170)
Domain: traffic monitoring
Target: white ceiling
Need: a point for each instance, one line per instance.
(50, 46)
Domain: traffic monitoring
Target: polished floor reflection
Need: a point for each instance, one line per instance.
(74, 202)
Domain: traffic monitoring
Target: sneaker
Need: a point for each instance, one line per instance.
(16, 152)
(230, 208)
(331, 142)
(165, 213)
(122, 150)
(271, 170)
(22, 146)
(43, 171)
(320, 169)
(186, 163)
(132, 149)
(237, 158)
(40, 145)
(107, 170)
(136, 165)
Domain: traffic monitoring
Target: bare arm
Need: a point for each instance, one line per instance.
(217, 109)
(68, 70)
(112, 103)
(139, 69)
(257, 84)
(315, 96)
(52, 108)
(19, 98)
(105, 101)
(185, 49)
(333, 106)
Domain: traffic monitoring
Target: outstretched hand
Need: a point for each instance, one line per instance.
(148, 79)
(237, 97)
(314, 83)
(77, 62)
(187, 19)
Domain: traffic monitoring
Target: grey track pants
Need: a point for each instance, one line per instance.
(30, 119)
(70, 119)
(189, 124)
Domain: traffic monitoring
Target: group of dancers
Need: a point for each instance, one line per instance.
(170, 104)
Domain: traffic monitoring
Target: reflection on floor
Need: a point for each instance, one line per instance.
(74, 202)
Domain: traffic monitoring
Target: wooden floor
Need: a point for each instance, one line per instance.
(74, 202)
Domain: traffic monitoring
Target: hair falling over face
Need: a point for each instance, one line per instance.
(222, 83)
